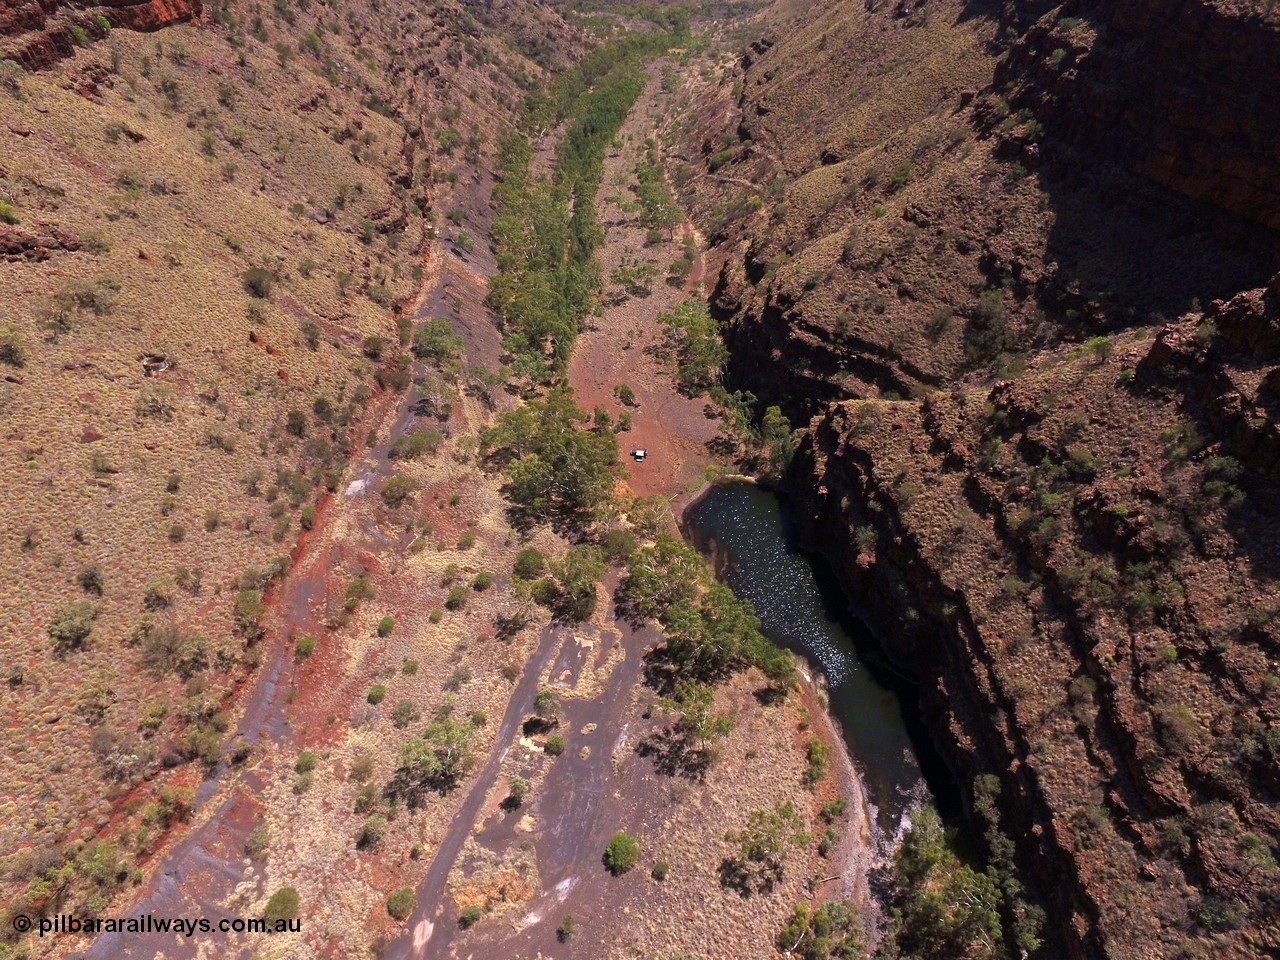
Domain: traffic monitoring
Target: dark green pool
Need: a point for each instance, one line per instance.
(803, 609)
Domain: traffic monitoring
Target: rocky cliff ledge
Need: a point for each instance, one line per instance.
(967, 248)
(1083, 579)
(38, 33)
(1176, 90)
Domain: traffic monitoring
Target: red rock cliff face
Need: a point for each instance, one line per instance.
(38, 33)
(1181, 91)
(965, 248)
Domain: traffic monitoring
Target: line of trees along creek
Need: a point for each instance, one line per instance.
(546, 229)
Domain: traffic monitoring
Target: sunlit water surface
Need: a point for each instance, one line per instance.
(802, 608)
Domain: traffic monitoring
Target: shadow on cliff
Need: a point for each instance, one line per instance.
(1154, 152)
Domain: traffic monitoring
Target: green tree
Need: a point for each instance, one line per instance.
(435, 342)
(835, 929)
(622, 853)
(437, 761)
(697, 721)
(577, 576)
(249, 609)
(554, 467)
(700, 351)
(762, 849)
(546, 704)
(778, 439)
(942, 908)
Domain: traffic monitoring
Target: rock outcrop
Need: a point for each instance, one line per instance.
(38, 33)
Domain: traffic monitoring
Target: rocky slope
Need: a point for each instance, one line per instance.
(954, 239)
(207, 238)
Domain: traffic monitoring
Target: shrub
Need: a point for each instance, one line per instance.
(11, 347)
(460, 677)
(410, 668)
(373, 832)
(566, 928)
(401, 903)
(90, 579)
(466, 540)
(834, 809)
(403, 714)
(457, 598)
(307, 517)
(386, 625)
(901, 176)
(283, 905)
(306, 762)
(530, 564)
(304, 647)
(660, 870)
(469, 916)
(516, 793)
(482, 581)
(397, 490)
(295, 422)
(377, 693)
(817, 753)
(71, 625)
(555, 745)
(169, 647)
(359, 589)
(622, 853)
(258, 281)
(255, 846)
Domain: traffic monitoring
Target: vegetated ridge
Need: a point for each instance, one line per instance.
(989, 259)
(208, 240)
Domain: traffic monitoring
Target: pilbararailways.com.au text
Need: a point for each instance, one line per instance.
(68, 923)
